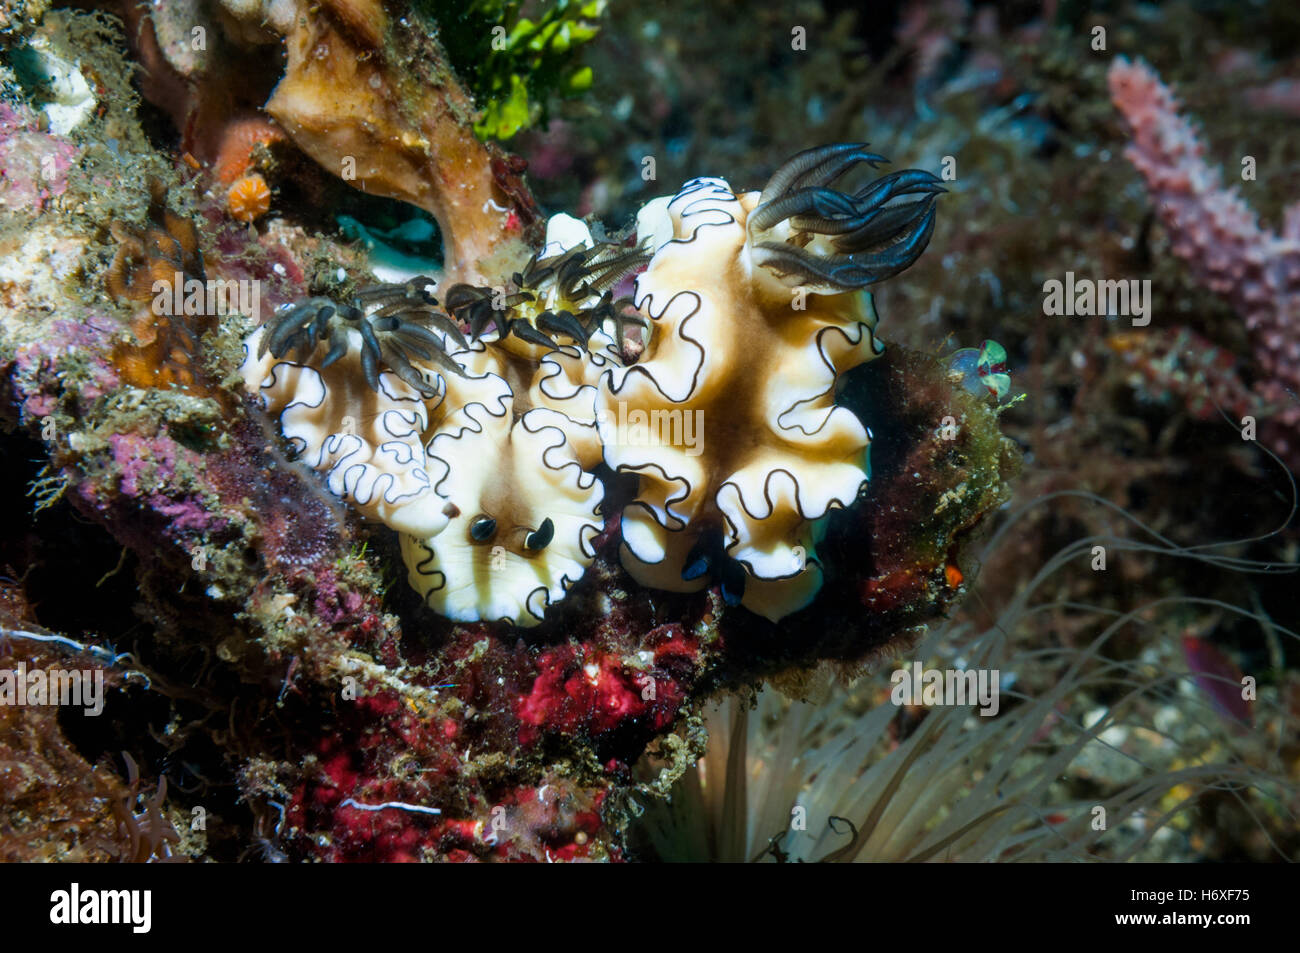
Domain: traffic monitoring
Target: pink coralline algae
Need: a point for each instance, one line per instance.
(1255, 270)
(33, 165)
(65, 339)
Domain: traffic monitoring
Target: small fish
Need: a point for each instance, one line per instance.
(1219, 678)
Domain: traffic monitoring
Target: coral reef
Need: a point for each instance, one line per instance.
(368, 727)
(226, 498)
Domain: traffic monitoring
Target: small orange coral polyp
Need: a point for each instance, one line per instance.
(249, 198)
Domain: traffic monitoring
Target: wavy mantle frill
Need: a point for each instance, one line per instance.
(750, 368)
(485, 471)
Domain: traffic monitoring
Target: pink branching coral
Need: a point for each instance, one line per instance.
(1255, 270)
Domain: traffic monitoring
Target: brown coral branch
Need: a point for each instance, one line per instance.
(372, 99)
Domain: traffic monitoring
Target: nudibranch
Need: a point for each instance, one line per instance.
(475, 425)
(316, 366)
(757, 309)
(478, 448)
(517, 464)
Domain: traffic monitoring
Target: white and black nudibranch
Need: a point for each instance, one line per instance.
(475, 426)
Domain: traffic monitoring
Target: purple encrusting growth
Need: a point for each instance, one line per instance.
(334, 604)
(87, 340)
(147, 467)
(33, 165)
(143, 463)
(272, 268)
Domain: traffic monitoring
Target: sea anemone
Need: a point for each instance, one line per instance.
(859, 777)
(148, 835)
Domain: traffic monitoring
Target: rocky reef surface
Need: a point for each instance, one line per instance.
(298, 697)
(316, 431)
